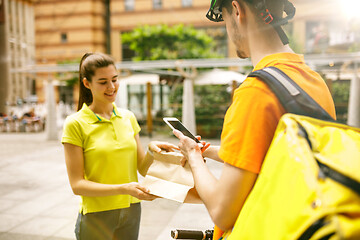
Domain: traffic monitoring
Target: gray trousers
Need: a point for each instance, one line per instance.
(118, 224)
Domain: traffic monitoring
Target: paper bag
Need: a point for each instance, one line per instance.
(167, 178)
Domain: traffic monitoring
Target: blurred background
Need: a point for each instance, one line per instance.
(42, 42)
(172, 62)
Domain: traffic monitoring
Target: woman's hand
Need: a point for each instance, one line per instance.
(157, 146)
(140, 192)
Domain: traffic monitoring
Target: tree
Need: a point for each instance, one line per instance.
(164, 42)
(70, 78)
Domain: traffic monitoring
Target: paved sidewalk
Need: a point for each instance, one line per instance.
(36, 202)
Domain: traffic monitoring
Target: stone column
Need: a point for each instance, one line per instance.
(354, 99)
(4, 58)
(188, 106)
(51, 119)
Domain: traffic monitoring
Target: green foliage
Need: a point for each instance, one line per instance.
(72, 81)
(341, 91)
(164, 42)
(70, 78)
(211, 103)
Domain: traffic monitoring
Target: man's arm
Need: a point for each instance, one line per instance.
(223, 197)
(212, 152)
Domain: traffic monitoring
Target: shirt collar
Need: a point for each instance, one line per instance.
(279, 57)
(116, 111)
(90, 117)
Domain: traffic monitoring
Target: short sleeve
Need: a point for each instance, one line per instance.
(134, 123)
(249, 126)
(72, 132)
(131, 116)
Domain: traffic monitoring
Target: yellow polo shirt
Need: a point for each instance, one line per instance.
(110, 153)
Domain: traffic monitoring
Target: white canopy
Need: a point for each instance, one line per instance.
(136, 79)
(140, 79)
(219, 76)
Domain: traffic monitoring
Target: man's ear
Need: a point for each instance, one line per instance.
(239, 9)
(86, 83)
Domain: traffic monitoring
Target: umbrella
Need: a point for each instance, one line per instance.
(219, 76)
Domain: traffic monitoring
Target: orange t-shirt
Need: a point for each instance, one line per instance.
(252, 118)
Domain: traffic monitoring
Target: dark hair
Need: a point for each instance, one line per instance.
(88, 65)
(275, 6)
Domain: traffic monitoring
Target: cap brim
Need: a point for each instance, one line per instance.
(213, 16)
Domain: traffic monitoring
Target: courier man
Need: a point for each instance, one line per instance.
(254, 26)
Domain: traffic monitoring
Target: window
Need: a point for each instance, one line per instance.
(129, 5)
(64, 38)
(33, 87)
(157, 4)
(186, 3)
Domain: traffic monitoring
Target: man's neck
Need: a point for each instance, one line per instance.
(262, 44)
(256, 58)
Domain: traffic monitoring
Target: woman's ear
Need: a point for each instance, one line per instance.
(86, 83)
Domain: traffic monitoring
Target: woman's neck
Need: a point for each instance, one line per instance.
(102, 109)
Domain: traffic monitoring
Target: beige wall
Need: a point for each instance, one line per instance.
(82, 21)
(171, 13)
(84, 24)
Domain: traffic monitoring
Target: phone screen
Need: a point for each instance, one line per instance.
(178, 126)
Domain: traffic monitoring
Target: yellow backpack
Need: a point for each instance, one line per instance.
(309, 184)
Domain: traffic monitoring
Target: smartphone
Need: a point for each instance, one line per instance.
(174, 123)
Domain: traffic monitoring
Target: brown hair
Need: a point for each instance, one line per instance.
(88, 65)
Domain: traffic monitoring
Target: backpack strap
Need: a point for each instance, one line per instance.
(292, 97)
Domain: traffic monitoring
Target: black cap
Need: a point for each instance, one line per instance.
(215, 14)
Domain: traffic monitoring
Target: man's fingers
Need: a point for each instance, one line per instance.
(206, 146)
(178, 134)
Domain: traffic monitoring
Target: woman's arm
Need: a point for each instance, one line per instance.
(74, 159)
(143, 159)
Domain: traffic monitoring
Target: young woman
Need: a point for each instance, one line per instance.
(103, 153)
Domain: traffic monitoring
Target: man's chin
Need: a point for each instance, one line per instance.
(241, 54)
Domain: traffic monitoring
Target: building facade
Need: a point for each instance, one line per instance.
(20, 31)
(66, 29)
